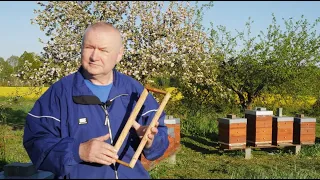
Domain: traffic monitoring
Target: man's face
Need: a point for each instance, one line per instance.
(100, 51)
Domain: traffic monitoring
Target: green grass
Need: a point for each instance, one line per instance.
(13, 112)
(197, 158)
(12, 119)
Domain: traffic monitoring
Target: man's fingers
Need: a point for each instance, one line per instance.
(110, 154)
(103, 159)
(110, 151)
(108, 147)
(154, 130)
(142, 130)
(107, 155)
(104, 137)
(150, 136)
(136, 125)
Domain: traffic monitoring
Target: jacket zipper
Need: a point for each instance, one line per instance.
(107, 123)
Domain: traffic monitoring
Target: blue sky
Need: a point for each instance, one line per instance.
(18, 35)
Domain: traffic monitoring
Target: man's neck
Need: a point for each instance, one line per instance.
(99, 79)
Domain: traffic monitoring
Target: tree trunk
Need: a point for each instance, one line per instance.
(249, 102)
(243, 104)
(249, 105)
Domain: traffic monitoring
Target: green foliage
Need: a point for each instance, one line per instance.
(315, 110)
(13, 61)
(5, 71)
(163, 82)
(6, 68)
(199, 118)
(20, 71)
(281, 60)
(30, 58)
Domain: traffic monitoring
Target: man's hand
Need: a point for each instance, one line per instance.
(96, 150)
(141, 130)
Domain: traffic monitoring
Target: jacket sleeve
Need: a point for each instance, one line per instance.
(160, 142)
(42, 137)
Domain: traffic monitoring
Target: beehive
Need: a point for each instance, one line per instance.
(304, 130)
(173, 125)
(259, 127)
(232, 132)
(282, 129)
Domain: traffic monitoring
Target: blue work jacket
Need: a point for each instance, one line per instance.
(68, 114)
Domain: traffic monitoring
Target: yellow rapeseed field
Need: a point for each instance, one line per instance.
(26, 92)
(35, 92)
(270, 100)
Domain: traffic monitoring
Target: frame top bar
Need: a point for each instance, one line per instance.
(155, 90)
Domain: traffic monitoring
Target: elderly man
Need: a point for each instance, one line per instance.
(73, 126)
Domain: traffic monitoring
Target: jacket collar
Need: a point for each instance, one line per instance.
(83, 95)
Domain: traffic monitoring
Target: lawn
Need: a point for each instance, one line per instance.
(197, 158)
(13, 113)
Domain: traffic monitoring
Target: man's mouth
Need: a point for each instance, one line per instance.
(92, 64)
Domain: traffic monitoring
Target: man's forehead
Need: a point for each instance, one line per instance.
(110, 33)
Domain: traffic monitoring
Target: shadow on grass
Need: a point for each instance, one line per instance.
(204, 150)
(204, 141)
(14, 118)
(199, 148)
(200, 144)
(219, 170)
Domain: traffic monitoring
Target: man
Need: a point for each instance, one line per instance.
(73, 126)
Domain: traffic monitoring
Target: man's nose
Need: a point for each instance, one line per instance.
(94, 55)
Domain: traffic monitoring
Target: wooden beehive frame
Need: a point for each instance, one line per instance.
(132, 118)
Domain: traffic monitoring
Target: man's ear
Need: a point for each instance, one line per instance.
(120, 54)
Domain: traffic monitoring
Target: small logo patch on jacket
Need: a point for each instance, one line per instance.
(83, 121)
